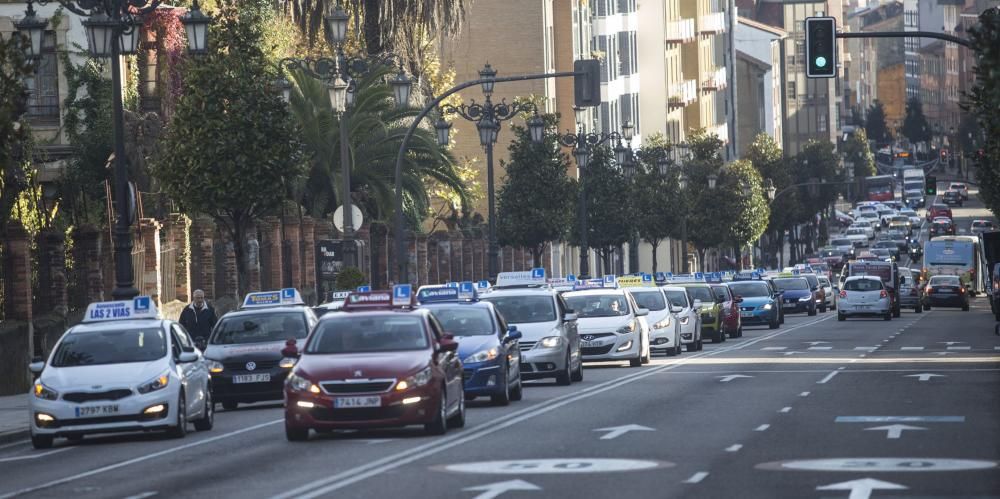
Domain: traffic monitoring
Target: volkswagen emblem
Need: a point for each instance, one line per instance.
(251, 366)
(588, 337)
(358, 374)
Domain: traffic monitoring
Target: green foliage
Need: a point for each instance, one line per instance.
(875, 123)
(609, 212)
(89, 127)
(15, 137)
(915, 126)
(817, 162)
(350, 278)
(858, 152)
(707, 223)
(748, 213)
(657, 213)
(984, 100)
(231, 144)
(535, 202)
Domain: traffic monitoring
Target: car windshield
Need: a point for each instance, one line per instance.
(700, 293)
(796, 283)
(945, 280)
(909, 213)
(823, 281)
(841, 242)
(347, 333)
(94, 348)
(677, 298)
(650, 300)
(720, 293)
(750, 289)
(901, 218)
(855, 232)
(885, 244)
(524, 309)
(261, 327)
(464, 321)
(863, 285)
(813, 281)
(589, 305)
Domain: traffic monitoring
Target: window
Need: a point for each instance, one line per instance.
(635, 115)
(791, 91)
(43, 86)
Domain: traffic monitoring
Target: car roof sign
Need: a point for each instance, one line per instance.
(534, 276)
(262, 299)
(375, 300)
(140, 307)
(628, 281)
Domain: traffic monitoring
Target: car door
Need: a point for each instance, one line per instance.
(570, 327)
(449, 364)
(184, 371)
(511, 348)
(196, 371)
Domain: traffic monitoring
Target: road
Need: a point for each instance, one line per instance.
(816, 409)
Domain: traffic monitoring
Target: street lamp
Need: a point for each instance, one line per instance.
(770, 189)
(487, 117)
(111, 27)
(712, 180)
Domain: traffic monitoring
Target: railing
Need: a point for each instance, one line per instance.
(680, 31)
(139, 264)
(713, 23)
(168, 275)
(714, 80)
(683, 93)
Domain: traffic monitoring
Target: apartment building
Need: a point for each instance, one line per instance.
(759, 77)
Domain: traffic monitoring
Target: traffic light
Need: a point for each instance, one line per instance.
(821, 47)
(930, 185)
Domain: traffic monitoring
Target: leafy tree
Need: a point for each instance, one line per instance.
(915, 126)
(767, 158)
(654, 196)
(89, 128)
(984, 100)
(858, 152)
(875, 123)
(748, 212)
(231, 141)
(535, 202)
(609, 212)
(15, 136)
(350, 278)
(707, 226)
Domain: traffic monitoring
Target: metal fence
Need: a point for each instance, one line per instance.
(138, 264)
(168, 275)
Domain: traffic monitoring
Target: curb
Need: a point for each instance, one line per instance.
(14, 436)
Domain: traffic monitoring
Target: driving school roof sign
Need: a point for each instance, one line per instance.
(287, 296)
(140, 307)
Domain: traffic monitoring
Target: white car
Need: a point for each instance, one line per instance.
(864, 296)
(859, 235)
(865, 207)
(612, 326)
(831, 297)
(885, 216)
(687, 315)
(122, 369)
(550, 344)
(664, 328)
(869, 216)
(915, 220)
(867, 226)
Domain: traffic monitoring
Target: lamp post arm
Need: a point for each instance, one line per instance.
(398, 259)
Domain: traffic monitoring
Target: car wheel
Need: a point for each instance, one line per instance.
(458, 420)
(207, 420)
(841, 317)
(812, 311)
(918, 309)
(781, 318)
(439, 425)
(296, 434)
(517, 393)
(577, 375)
(927, 306)
(180, 430)
(42, 441)
(230, 405)
(773, 323)
(636, 362)
(887, 317)
(701, 344)
(502, 398)
(692, 347)
(565, 377)
(645, 354)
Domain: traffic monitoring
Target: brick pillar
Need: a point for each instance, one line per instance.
(423, 266)
(17, 274)
(443, 257)
(230, 275)
(270, 253)
(88, 278)
(292, 240)
(179, 238)
(51, 272)
(308, 252)
(149, 233)
(203, 256)
(547, 259)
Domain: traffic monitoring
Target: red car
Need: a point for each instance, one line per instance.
(374, 365)
(731, 322)
(938, 210)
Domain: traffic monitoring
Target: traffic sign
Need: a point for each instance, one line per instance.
(402, 295)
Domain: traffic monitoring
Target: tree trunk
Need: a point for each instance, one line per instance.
(701, 258)
(655, 243)
(372, 29)
(606, 260)
(536, 255)
(239, 234)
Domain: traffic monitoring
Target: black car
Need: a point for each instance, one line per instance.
(890, 245)
(952, 198)
(946, 291)
(244, 355)
(942, 228)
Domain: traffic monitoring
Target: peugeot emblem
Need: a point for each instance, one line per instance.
(358, 374)
(588, 337)
(251, 366)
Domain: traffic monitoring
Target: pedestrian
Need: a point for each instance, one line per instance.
(198, 318)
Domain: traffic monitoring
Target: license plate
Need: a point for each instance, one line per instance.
(590, 344)
(862, 307)
(945, 291)
(252, 378)
(746, 314)
(356, 402)
(96, 410)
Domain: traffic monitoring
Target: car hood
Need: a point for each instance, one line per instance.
(249, 351)
(468, 345)
(104, 376)
(602, 324)
(797, 293)
(656, 316)
(534, 331)
(755, 301)
(398, 365)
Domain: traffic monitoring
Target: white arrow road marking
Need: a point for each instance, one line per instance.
(697, 477)
(926, 376)
(492, 490)
(762, 427)
(730, 377)
(789, 353)
(814, 343)
(820, 348)
(943, 353)
(734, 448)
(617, 431)
(786, 409)
(862, 488)
(895, 430)
(912, 349)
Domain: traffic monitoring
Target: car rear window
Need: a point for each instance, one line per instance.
(945, 280)
(863, 285)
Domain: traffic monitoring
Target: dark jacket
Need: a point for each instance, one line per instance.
(198, 322)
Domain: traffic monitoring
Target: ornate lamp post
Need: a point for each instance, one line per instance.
(341, 73)
(113, 30)
(582, 142)
(487, 117)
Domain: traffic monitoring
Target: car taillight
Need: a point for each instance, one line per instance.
(883, 294)
(961, 291)
(929, 290)
(843, 294)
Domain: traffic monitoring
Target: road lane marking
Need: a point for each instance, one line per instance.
(494, 490)
(895, 431)
(827, 378)
(697, 477)
(128, 462)
(925, 376)
(912, 349)
(34, 456)
(728, 378)
(734, 448)
(762, 427)
(617, 431)
(572, 465)
(879, 464)
(899, 419)
(959, 348)
(785, 410)
(143, 495)
(820, 348)
(774, 348)
(870, 349)
(804, 394)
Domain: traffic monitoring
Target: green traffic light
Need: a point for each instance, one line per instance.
(821, 62)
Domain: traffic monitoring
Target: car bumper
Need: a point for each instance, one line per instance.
(317, 411)
(225, 390)
(617, 347)
(543, 362)
(955, 300)
(662, 339)
(797, 307)
(756, 317)
(483, 379)
(878, 308)
(129, 416)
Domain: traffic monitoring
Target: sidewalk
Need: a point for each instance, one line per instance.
(13, 418)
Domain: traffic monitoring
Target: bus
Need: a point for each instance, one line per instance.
(954, 255)
(880, 188)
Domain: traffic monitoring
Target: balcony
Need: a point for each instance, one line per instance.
(714, 80)
(680, 31)
(682, 94)
(712, 24)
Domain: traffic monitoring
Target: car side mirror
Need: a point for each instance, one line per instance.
(697, 304)
(291, 349)
(513, 333)
(200, 343)
(739, 299)
(676, 309)
(641, 312)
(188, 357)
(447, 343)
(570, 317)
(37, 366)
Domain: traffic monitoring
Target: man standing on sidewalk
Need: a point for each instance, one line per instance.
(198, 318)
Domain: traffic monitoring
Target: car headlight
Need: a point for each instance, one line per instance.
(551, 341)
(628, 328)
(158, 383)
(213, 366)
(44, 392)
(684, 320)
(766, 306)
(665, 323)
(287, 362)
(806, 298)
(420, 379)
(481, 356)
(300, 384)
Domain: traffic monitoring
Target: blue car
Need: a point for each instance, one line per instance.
(487, 346)
(760, 305)
(798, 295)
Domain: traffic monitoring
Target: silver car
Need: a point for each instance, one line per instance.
(831, 297)
(687, 315)
(911, 294)
(550, 344)
(864, 296)
(612, 326)
(664, 328)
